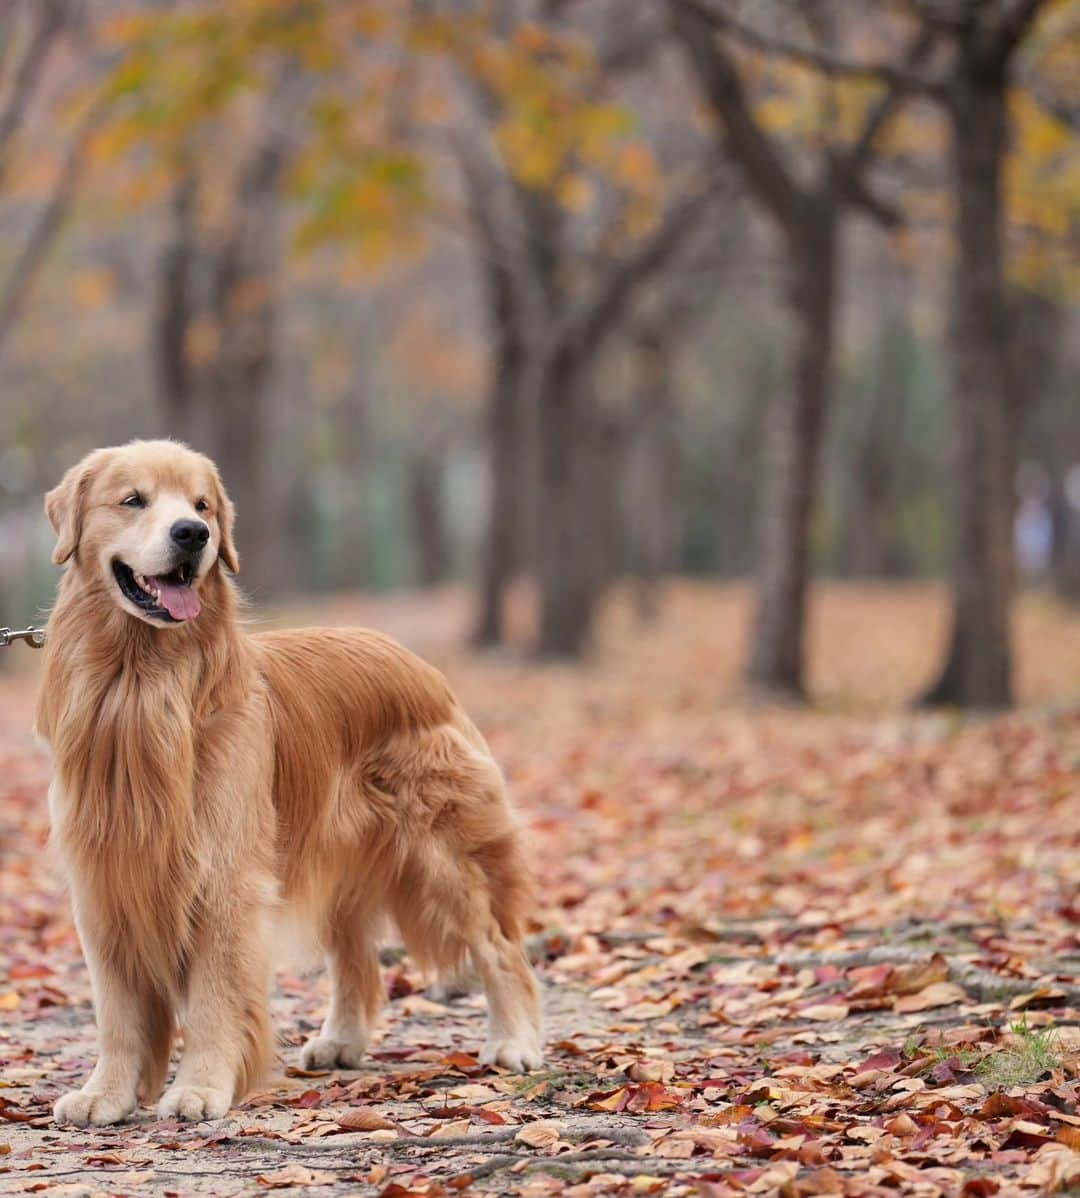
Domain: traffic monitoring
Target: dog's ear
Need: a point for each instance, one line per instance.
(65, 505)
(226, 520)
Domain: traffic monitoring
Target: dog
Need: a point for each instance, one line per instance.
(209, 784)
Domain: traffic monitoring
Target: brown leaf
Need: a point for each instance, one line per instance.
(539, 1135)
(825, 1012)
(652, 1071)
(296, 1175)
(937, 994)
(1053, 1167)
(365, 1119)
(902, 1125)
(454, 1127)
(910, 979)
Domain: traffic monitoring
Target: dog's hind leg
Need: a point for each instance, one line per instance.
(464, 892)
(355, 992)
(449, 911)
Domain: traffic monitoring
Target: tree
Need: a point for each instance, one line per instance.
(977, 671)
(49, 22)
(213, 329)
(808, 212)
(559, 192)
(552, 142)
(506, 407)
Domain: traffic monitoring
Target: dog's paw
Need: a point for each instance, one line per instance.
(519, 1054)
(324, 1052)
(93, 1108)
(194, 1103)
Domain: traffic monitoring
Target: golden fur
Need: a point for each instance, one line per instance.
(206, 781)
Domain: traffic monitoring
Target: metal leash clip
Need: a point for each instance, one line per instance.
(34, 637)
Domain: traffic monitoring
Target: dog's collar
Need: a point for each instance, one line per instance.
(34, 637)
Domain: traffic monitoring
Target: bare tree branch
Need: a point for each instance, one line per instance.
(51, 219)
(1013, 28)
(1066, 111)
(51, 16)
(500, 267)
(884, 110)
(902, 77)
(591, 324)
(849, 166)
(761, 161)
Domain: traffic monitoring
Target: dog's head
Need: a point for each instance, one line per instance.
(149, 521)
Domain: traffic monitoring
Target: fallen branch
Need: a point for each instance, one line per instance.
(614, 1160)
(625, 1136)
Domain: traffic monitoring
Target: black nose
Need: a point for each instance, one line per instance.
(190, 534)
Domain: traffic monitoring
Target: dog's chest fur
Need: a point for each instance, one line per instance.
(132, 732)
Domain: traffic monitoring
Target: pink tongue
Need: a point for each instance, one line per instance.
(182, 603)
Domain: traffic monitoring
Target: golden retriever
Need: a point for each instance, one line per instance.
(208, 782)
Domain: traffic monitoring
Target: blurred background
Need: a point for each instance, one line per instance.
(538, 305)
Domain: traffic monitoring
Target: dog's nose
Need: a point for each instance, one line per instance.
(190, 534)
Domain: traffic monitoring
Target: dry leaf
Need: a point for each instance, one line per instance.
(939, 994)
(296, 1175)
(825, 1011)
(539, 1135)
(365, 1119)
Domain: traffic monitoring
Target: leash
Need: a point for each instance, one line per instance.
(34, 637)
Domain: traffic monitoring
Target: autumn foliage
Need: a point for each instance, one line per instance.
(783, 953)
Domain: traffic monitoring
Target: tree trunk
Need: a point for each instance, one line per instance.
(602, 455)
(428, 509)
(354, 438)
(1051, 423)
(1065, 567)
(506, 417)
(174, 314)
(241, 370)
(793, 443)
(651, 470)
(246, 313)
(978, 670)
(566, 577)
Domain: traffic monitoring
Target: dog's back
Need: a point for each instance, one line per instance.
(352, 687)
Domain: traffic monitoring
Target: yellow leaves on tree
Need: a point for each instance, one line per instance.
(375, 83)
(1042, 178)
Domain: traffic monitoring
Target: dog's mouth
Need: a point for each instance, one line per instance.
(167, 597)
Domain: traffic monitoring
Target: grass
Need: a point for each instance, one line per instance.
(1033, 1053)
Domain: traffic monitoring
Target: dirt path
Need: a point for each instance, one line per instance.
(829, 952)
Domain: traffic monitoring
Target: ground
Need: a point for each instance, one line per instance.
(784, 952)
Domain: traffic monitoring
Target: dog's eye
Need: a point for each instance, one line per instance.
(201, 505)
(133, 500)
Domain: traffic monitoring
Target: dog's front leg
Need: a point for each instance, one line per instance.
(226, 1026)
(128, 1018)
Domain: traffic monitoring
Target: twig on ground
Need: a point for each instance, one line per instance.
(614, 1160)
(626, 1136)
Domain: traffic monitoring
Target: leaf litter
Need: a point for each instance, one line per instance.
(792, 953)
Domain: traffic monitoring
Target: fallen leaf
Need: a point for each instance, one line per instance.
(296, 1175)
(364, 1119)
(938, 994)
(539, 1135)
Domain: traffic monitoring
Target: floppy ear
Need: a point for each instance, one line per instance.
(226, 520)
(65, 505)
